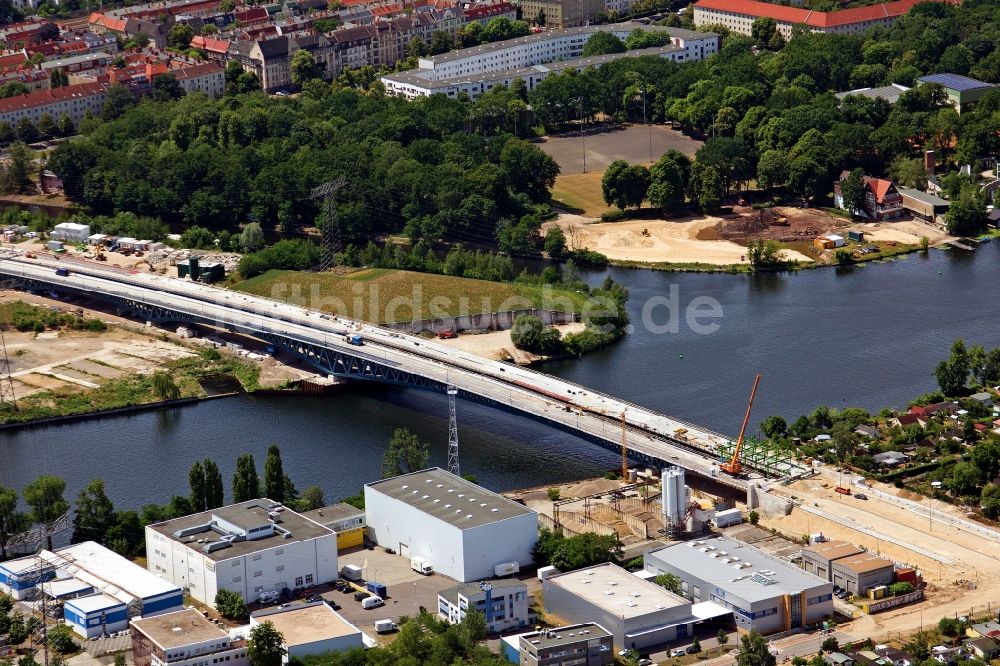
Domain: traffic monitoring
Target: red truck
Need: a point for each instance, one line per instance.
(842, 490)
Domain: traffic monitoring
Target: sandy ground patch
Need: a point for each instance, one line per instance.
(907, 231)
(498, 346)
(651, 241)
(636, 144)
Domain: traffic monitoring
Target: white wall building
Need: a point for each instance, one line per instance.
(71, 232)
(74, 101)
(310, 629)
(184, 638)
(504, 603)
(252, 547)
(462, 529)
(475, 70)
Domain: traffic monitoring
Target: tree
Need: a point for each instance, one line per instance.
(405, 454)
(527, 169)
(166, 87)
(722, 638)
(265, 646)
(312, 498)
(772, 168)
(669, 581)
(555, 243)
(967, 214)
(46, 126)
(274, 475)
(852, 191)
(180, 36)
(908, 172)
(762, 30)
(830, 644)
(695, 646)
(441, 42)
(196, 481)
(304, 67)
(952, 373)
(708, 189)
(624, 184)
(949, 626)
(668, 180)
(213, 485)
(806, 177)
(531, 334)
(26, 130)
(65, 126)
(164, 386)
(252, 237)
(246, 484)
(587, 549)
(12, 521)
(117, 101)
(95, 514)
(119, 659)
(15, 177)
(774, 426)
(764, 254)
(540, 18)
(601, 43)
(61, 639)
(45, 496)
(989, 500)
(230, 605)
(754, 651)
(964, 480)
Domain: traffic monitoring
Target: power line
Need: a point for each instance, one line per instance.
(452, 432)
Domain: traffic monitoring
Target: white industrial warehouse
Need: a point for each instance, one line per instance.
(249, 548)
(100, 589)
(462, 529)
(761, 591)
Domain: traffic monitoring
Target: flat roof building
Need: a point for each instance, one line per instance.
(817, 558)
(637, 612)
(346, 520)
(762, 591)
(890, 93)
(310, 629)
(184, 638)
(462, 529)
(586, 644)
(859, 573)
(250, 548)
(504, 603)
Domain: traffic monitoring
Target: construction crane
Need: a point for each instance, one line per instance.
(733, 466)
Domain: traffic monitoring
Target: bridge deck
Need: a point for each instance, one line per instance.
(651, 436)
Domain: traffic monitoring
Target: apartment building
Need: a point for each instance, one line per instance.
(562, 13)
(208, 78)
(75, 101)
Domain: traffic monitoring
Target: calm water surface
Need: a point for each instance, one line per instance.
(868, 337)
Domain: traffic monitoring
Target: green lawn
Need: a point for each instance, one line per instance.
(381, 295)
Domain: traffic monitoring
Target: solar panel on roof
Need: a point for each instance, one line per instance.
(955, 81)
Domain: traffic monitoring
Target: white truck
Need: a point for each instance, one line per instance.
(384, 626)
(421, 566)
(351, 572)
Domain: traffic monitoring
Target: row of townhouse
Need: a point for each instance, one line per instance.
(739, 15)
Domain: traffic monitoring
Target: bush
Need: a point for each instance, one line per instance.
(230, 605)
(899, 589)
(616, 215)
(294, 254)
(61, 639)
(753, 517)
(588, 257)
(530, 334)
(553, 494)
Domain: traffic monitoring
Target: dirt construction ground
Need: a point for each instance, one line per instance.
(677, 240)
(974, 560)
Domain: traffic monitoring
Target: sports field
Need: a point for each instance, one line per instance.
(635, 144)
(580, 193)
(379, 295)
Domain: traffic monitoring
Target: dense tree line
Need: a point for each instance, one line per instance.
(217, 164)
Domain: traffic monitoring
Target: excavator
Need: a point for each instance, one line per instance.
(734, 467)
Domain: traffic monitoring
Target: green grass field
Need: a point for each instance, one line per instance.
(379, 295)
(580, 193)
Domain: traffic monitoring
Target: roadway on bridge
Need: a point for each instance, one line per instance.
(553, 399)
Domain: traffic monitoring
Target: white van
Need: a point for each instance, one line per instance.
(384, 626)
(372, 602)
(268, 597)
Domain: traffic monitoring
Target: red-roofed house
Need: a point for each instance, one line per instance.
(208, 78)
(215, 49)
(882, 200)
(102, 23)
(739, 15)
(483, 13)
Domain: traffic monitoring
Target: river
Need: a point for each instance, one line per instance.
(866, 336)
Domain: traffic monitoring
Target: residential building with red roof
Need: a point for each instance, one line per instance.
(739, 15)
(74, 101)
(484, 12)
(882, 200)
(208, 78)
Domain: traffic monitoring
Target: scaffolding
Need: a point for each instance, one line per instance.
(762, 456)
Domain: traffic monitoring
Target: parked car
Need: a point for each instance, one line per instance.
(678, 652)
(861, 496)
(691, 649)
(314, 597)
(359, 596)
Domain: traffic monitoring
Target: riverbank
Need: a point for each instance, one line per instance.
(713, 244)
(497, 345)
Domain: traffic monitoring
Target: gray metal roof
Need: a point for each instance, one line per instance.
(923, 197)
(738, 568)
(889, 93)
(450, 498)
(333, 513)
(573, 633)
(955, 82)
